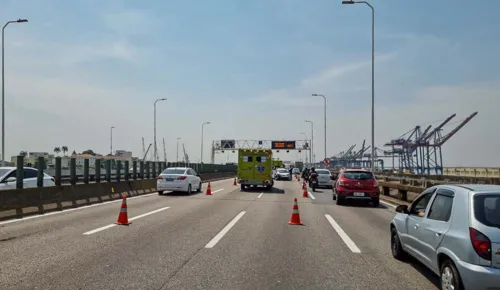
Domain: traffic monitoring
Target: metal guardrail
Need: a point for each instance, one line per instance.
(17, 203)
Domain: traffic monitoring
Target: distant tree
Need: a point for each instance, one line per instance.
(23, 153)
(57, 150)
(89, 151)
(74, 152)
(64, 150)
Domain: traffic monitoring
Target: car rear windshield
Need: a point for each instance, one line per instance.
(283, 171)
(487, 209)
(173, 171)
(323, 172)
(358, 175)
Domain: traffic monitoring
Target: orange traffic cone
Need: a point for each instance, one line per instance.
(209, 190)
(123, 216)
(234, 182)
(298, 178)
(304, 185)
(295, 218)
(305, 194)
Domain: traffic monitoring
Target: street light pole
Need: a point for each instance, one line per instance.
(311, 146)
(373, 77)
(3, 84)
(202, 125)
(307, 138)
(177, 160)
(111, 141)
(324, 98)
(155, 147)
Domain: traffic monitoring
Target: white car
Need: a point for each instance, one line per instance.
(8, 176)
(324, 178)
(178, 179)
(282, 174)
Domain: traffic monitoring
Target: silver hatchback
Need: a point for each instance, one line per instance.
(454, 230)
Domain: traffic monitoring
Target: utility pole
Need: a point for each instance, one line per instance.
(155, 147)
(3, 84)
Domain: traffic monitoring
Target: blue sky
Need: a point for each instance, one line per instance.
(249, 67)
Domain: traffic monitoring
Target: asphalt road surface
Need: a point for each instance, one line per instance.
(230, 240)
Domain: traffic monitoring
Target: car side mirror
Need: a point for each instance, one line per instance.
(332, 177)
(10, 179)
(403, 208)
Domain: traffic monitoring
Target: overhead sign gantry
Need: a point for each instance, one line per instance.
(277, 145)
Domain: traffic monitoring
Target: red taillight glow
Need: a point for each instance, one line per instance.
(159, 177)
(342, 182)
(480, 243)
(181, 177)
(375, 183)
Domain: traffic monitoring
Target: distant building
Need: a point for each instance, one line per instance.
(79, 159)
(123, 153)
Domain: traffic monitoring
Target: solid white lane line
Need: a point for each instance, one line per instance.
(224, 231)
(260, 195)
(347, 240)
(388, 204)
(310, 195)
(221, 189)
(130, 219)
(84, 207)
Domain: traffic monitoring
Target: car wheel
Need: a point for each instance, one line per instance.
(189, 189)
(160, 192)
(449, 276)
(242, 187)
(340, 200)
(376, 202)
(396, 249)
(199, 187)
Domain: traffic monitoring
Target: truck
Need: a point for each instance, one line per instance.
(255, 168)
(299, 165)
(277, 163)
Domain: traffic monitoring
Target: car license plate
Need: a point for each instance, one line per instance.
(358, 194)
(169, 179)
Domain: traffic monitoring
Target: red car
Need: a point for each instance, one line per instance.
(356, 184)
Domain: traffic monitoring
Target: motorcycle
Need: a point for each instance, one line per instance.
(314, 182)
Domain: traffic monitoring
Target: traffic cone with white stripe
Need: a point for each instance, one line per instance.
(304, 185)
(305, 194)
(295, 218)
(209, 190)
(123, 215)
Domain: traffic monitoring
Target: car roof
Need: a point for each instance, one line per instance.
(181, 168)
(13, 167)
(475, 187)
(354, 169)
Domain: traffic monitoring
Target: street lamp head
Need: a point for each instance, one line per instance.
(21, 20)
(164, 99)
(314, 95)
(348, 2)
(112, 127)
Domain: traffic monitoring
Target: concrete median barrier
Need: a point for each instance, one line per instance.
(18, 203)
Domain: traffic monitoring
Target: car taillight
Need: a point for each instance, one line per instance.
(342, 182)
(181, 177)
(481, 244)
(375, 183)
(159, 177)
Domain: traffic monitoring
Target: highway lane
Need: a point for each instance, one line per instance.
(179, 245)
